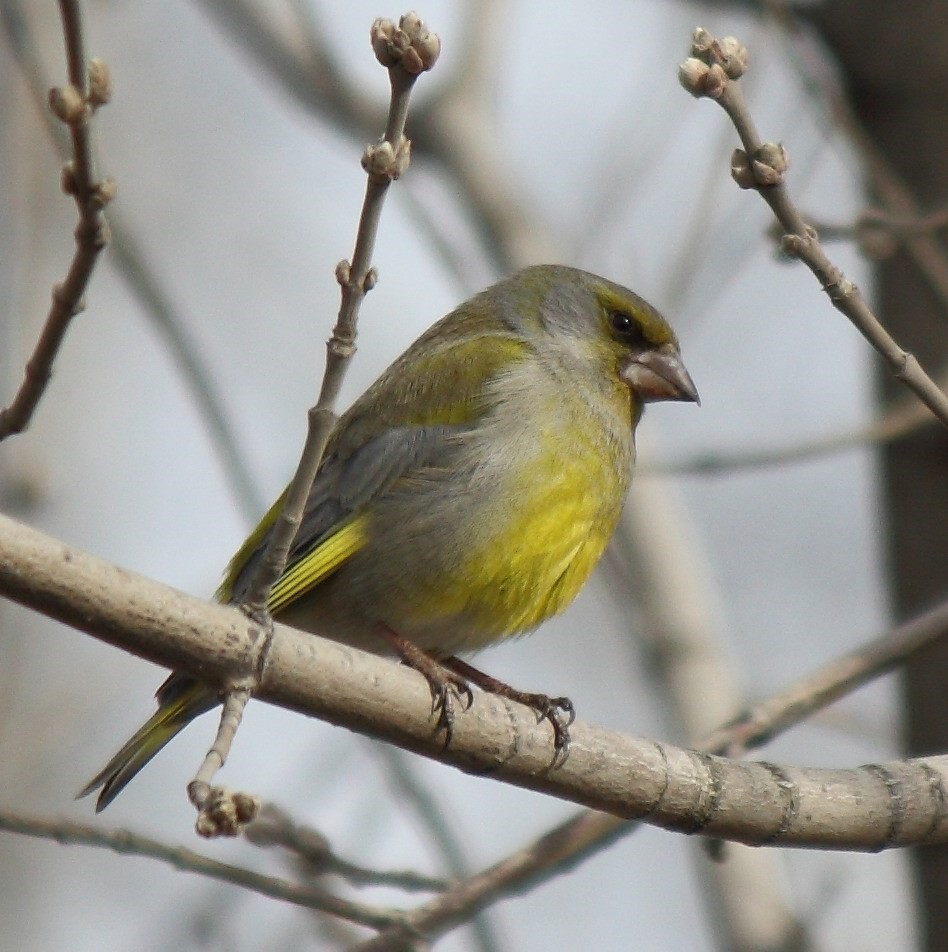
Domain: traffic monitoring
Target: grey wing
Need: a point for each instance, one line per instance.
(348, 484)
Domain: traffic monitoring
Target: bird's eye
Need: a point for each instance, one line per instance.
(625, 327)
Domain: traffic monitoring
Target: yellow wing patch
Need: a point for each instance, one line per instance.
(225, 591)
(312, 568)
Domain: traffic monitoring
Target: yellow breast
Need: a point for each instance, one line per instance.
(545, 516)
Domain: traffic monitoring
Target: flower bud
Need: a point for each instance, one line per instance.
(692, 74)
(104, 192)
(67, 179)
(701, 43)
(741, 170)
(68, 105)
(715, 82)
(382, 36)
(100, 83)
(410, 24)
(734, 57)
(770, 162)
(411, 43)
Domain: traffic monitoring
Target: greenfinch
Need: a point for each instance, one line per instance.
(467, 495)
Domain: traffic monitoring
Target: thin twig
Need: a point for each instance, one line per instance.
(182, 858)
(406, 50)
(883, 180)
(901, 419)
(450, 128)
(132, 265)
(879, 233)
(223, 812)
(712, 72)
(275, 827)
(383, 163)
(834, 680)
(74, 104)
(431, 812)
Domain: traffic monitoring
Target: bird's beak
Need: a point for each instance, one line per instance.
(659, 374)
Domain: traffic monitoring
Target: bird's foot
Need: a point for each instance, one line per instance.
(559, 711)
(447, 686)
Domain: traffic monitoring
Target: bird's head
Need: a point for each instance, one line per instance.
(612, 327)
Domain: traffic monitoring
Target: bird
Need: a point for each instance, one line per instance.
(465, 497)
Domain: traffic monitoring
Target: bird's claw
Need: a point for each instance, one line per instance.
(561, 714)
(446, 688)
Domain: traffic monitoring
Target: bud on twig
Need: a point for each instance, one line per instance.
(713, 63)
(410, 43)
(701, 43)
(741, 170)
(67, 179)
(692, 74)
(770, 162)
(104, 192)
(767, 167)
(100, 83)
(732, 55)
(385, 162)
(67, 105)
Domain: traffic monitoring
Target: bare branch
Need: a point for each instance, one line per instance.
(874, 807)
(834, 680)
(182, 858)
(712, 72)
(879, 234)
(131, 262)
(452, 129)
(406, 51)
(902, 418)
(890, 189)
(274, 827)
(74, 104)
(567, 844)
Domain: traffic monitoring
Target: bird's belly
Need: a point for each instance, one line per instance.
(456, 564)
(521, 557)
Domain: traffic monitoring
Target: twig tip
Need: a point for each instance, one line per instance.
(410, 44)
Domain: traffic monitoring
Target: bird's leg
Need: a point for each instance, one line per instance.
(559, 711)
(445, 684)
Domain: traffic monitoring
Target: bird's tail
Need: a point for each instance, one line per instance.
(180, 700)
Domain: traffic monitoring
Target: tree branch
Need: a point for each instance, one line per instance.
(868, 808)
(89, 87)
(406, 51)
(572, 841)
(131, 262)
(182, 858)
(900, 419)
(713, 72)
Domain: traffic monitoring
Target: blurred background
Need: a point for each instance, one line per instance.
(239, 190)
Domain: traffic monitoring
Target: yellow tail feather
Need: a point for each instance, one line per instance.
(177, 708)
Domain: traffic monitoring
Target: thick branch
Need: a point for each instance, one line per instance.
(868, 808)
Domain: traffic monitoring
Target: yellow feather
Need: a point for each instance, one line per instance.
(225, 591)
(312, 568)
